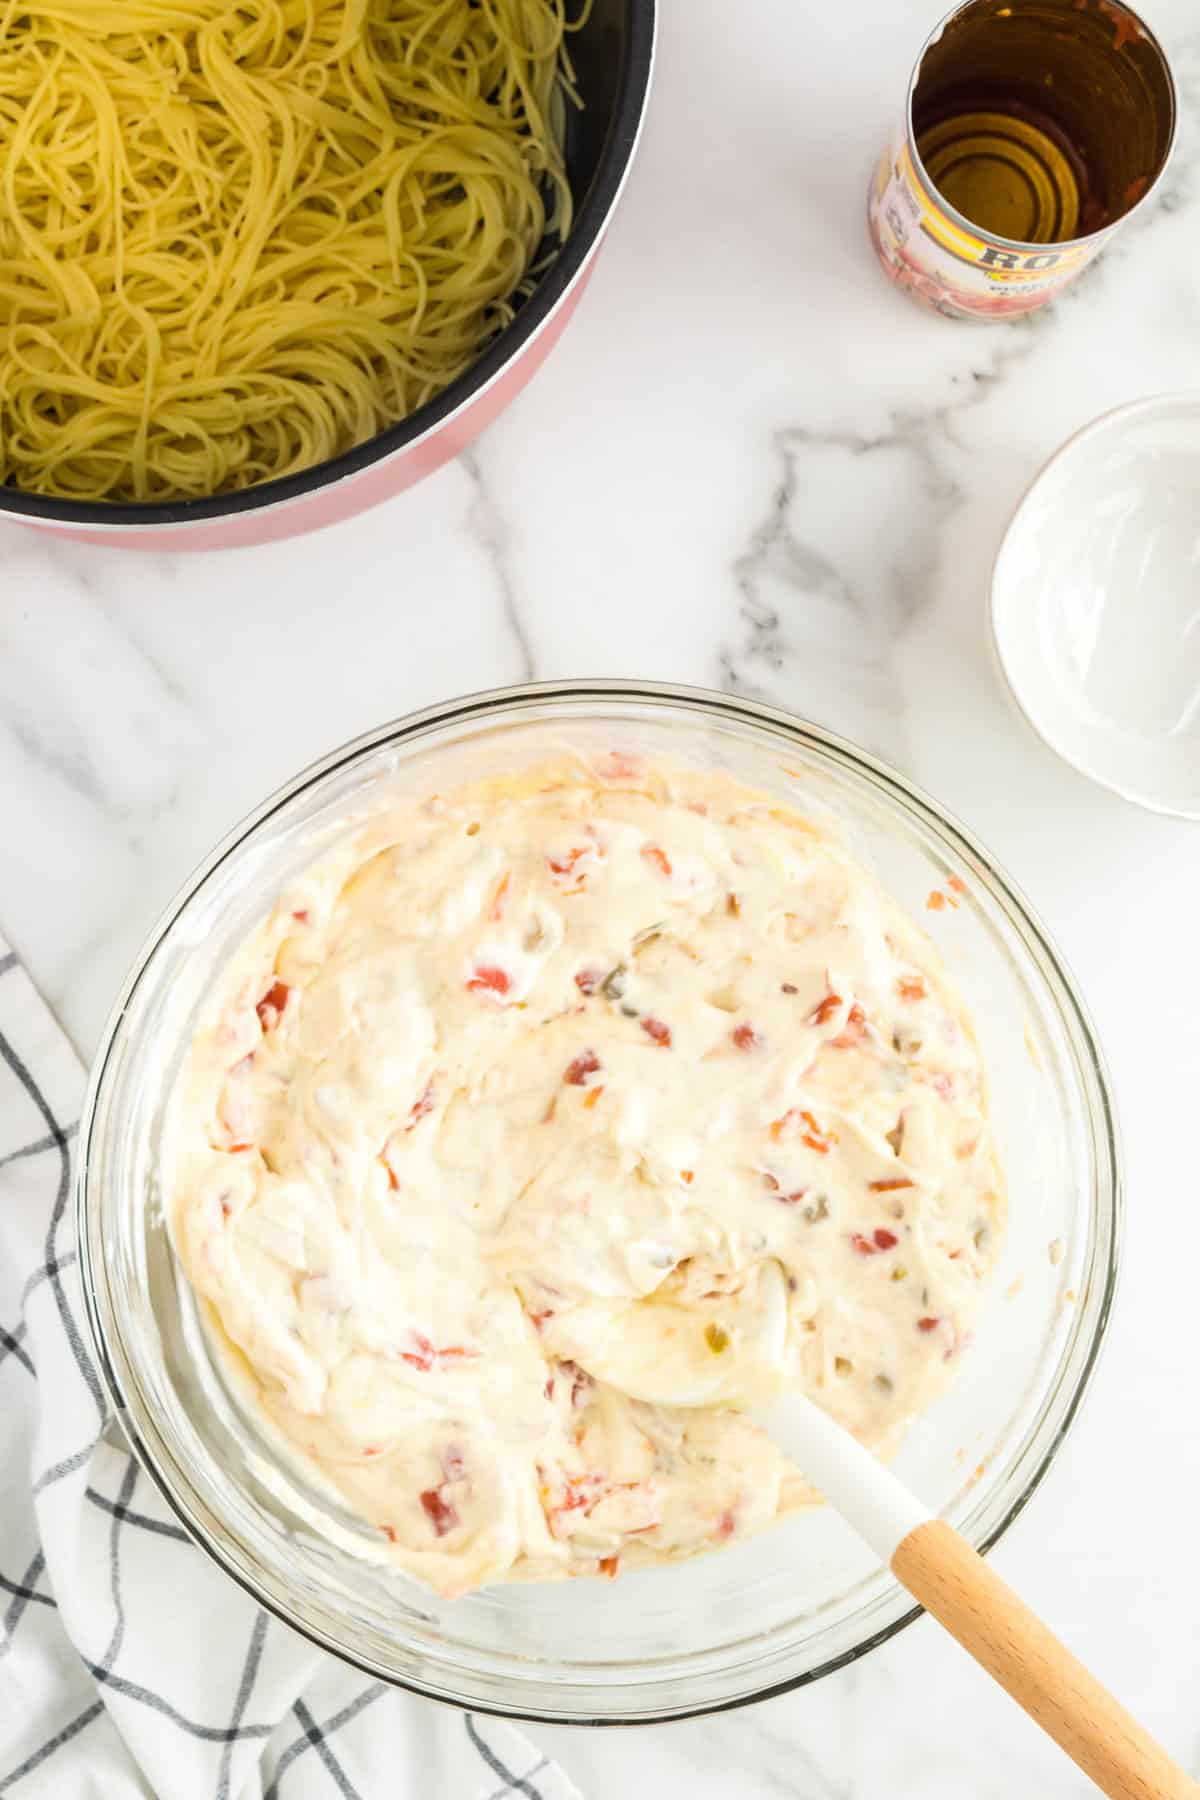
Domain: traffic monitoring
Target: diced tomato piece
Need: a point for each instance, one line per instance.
(301, 915)
(441, 1515)
(620, 766)
(824, 1009)
(725, 1527)
(588, 980)
(928, 1324)
(910, 987)
(746, 1037)
(423, 1355)
(657, 1031)
(936, 901)
(389, 1532)
(270, 1008)
(422, 1105)
(814, 1137)
(852, 1031)
(608, 1565)
(880, 1239)
(571, 1498)
(489, 980)
(958, 884)
(581, 1384)
(657, 858)
(890, 1186)
(687, 1176)
(812, 1134)
(585, 1064)
(580, 1491)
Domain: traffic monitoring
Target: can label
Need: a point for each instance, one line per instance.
(952, 266)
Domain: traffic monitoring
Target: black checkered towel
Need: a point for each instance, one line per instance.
(129, 1665)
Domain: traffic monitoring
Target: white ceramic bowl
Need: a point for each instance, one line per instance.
(1096, 602)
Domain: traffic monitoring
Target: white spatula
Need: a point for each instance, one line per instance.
(939, 1568)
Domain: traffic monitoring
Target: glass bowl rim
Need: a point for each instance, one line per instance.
(1106, 1223)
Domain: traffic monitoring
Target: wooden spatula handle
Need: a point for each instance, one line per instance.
(988, 1619)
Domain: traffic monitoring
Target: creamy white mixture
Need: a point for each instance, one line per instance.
(545, 1126)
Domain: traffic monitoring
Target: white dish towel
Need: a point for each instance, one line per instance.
(129, 1664)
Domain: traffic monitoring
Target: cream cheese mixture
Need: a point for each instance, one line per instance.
(545, 1128)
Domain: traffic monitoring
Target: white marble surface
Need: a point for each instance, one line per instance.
(749, 464)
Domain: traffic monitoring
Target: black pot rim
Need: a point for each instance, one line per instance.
(505, 349)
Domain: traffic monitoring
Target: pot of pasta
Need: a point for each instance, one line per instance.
(262, 266)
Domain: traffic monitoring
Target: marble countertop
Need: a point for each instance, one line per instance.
(750, 464)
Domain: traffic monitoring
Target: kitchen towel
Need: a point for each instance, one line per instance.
(129, 1664)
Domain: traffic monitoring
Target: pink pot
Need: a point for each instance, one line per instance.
(613, 56)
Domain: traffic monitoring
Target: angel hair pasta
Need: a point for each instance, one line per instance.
(240, 236)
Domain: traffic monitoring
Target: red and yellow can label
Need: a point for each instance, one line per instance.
(951, 265)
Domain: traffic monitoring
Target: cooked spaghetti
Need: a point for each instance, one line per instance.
(240, 236)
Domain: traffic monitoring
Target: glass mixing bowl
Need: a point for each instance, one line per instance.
(742, 1622)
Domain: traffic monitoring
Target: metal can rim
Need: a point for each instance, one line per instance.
(1092, 239)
